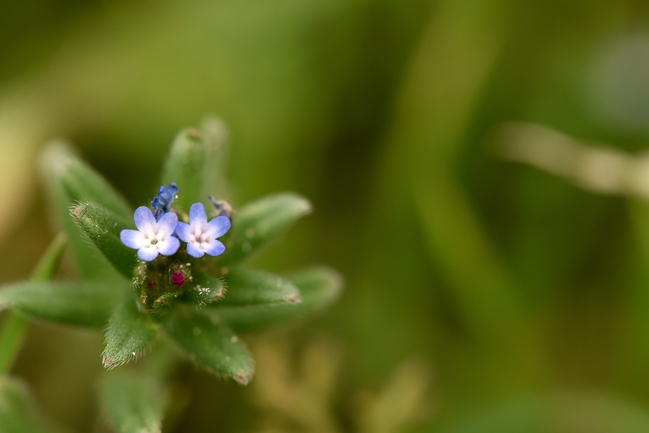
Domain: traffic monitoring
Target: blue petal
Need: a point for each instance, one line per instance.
(143, 218)
(182, 231)
(219, 226)
(147, 254)
(216, 248)
(197, 214)
(131, 238)
(167, 223)
(169, 247)
(193, 251)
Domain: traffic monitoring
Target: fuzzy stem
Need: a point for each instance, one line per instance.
(15, 326)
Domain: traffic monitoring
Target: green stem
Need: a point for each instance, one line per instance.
(15, 326)
(11, 339)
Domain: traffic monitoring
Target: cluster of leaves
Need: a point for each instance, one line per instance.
(135, 302)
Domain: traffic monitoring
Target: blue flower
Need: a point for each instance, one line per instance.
(152, 237)
(162, 202)
(201, 235)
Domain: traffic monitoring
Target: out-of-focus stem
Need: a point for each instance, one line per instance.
(15, 326)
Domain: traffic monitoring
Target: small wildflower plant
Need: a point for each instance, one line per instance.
(173, 272)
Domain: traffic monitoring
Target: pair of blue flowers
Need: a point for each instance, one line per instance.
(161, 233)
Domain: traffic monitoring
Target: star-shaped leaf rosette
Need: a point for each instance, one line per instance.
(175, 269)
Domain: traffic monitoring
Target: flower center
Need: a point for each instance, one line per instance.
(200, 237)
(154, 238)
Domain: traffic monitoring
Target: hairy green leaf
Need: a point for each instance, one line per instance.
(132, 402)
(318, 286)
(207, 289)
(254, 287)
(211, 346)
(102, 228)
(85, 304)
(18, 412)
(130, 332)
(257, 223)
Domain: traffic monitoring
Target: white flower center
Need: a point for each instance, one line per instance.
(152, 239)
(199, 237)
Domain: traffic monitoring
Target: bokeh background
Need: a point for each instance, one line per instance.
(481, 294)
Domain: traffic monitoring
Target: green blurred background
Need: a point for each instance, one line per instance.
(480, 295)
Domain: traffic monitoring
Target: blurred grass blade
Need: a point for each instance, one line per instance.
(18, 412)
(254, 287)
(49, 262)
(318, 286)
(84, 304)
(185, 166)
(213, 347)
(557, 412)
(132, 402)
(102, 228)
(129, 333)
(257, 223)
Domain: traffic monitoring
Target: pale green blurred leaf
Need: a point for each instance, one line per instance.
(318, 286)
(85, 304)
(133, 402)
(259, 222)
(253, 287)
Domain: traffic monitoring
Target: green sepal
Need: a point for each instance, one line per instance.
(210, 345)
(207, 290)
(257, 223)
(185, 166)
(132, 402)
(18, 411)
(253, 287)
(86, 304)
(102, 228)
(129, 333)
(318, 286)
